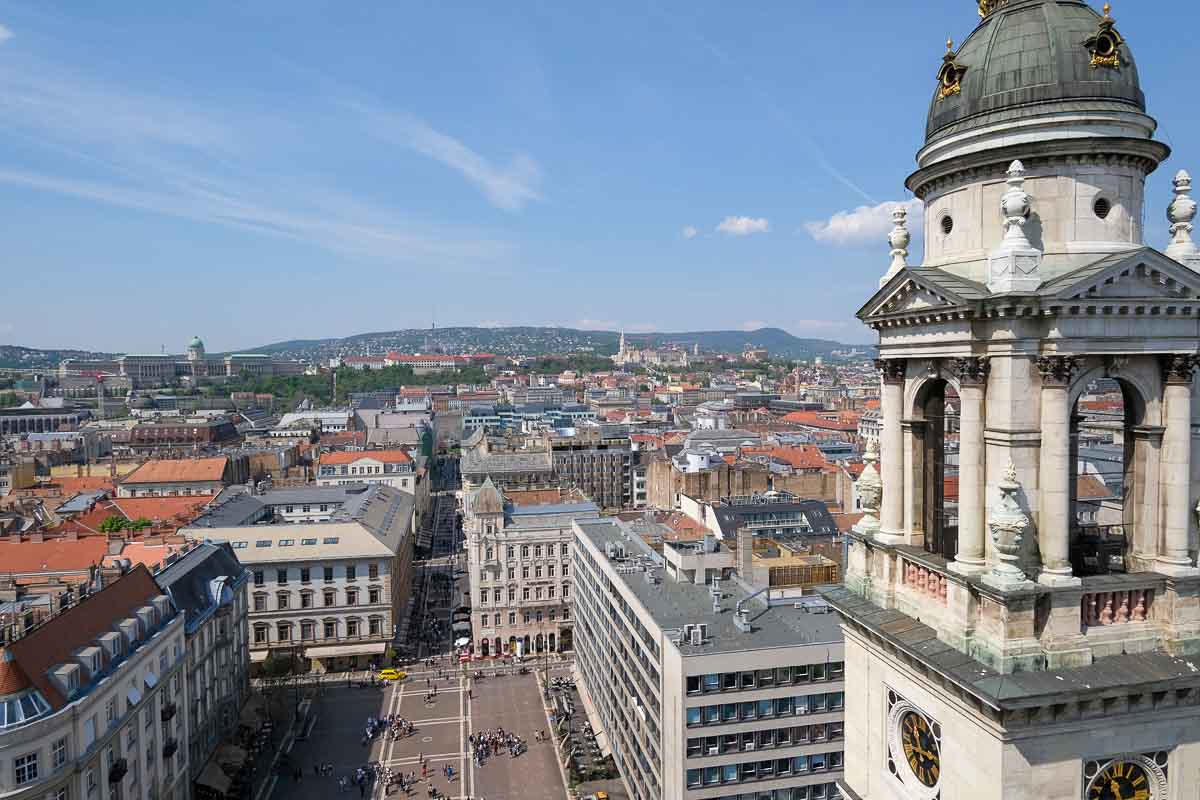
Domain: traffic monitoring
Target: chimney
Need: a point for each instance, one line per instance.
(745, 553)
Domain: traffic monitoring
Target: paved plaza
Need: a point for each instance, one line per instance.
(443, 726)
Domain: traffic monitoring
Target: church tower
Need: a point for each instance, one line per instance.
(1006, 635)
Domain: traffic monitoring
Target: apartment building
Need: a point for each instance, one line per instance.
(16, 473)
(328, 592)
(700, 686)
(93, 702)
(519, 566)
(184, 476)
(209, 586)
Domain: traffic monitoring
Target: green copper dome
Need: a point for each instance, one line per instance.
(195, 342)
(1033, 57)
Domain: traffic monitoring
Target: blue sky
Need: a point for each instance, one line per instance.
(261, 171)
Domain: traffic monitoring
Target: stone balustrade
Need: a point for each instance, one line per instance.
(924, 581)
(1100, 609)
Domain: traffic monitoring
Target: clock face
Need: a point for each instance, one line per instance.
(1121, 780)
(921, 749)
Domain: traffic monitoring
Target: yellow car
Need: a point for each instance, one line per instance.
(392, 675)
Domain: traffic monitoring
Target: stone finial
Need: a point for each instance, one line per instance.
(1015, 265)
(870, 490)
(1007, 522)
(899, 239)
(1180, 214)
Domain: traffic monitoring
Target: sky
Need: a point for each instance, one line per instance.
(260, 171)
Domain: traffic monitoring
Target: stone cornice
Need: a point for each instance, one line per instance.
(1146, 154)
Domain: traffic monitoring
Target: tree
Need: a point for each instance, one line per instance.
(113, 524)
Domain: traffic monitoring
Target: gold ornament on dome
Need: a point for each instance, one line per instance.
(950, 74)
(988, 6)
(1105, 44)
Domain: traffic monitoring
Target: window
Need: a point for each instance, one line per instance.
(330, 629)
(330, 597)
(352, 597)
(566, 613)
(373, 572)
(304, 576)
(260, 602)
(537, 571)
(1102, 207)
(524, 551)
(263, 543)
(566, 592)
(284, 629)
(550, 592)
(281, 600)
(25, 769)
(329, 574)
(330, 540)
(375, 625)
(260, 634)
(258, 577)
(537, 551)
(286, 542)
(281, 576)
(525, 593)
(308, 631)
(512, 618)
(511, 553)
(352, 627)
(525, 573)
(562, 549)
(947, 224)
(306, 599)
(512, 574)
(373, 596)
(566, 569)
(512, 594)
(58, 754)
(308, 542)
(489, 553)
(550, 571)
(350, 572)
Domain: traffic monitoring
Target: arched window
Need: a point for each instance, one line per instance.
(935, 446)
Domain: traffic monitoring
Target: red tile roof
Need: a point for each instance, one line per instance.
(12, 678)
(351, 456)
(52, 555)
(55, 640)
(179, 470)
(827, 420)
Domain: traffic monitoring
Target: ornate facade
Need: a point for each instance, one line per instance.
(1006, 650)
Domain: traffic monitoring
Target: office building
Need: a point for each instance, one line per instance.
(700, 686)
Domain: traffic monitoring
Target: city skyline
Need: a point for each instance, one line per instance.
(485, 164)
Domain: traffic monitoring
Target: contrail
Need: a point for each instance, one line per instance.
(773, 108)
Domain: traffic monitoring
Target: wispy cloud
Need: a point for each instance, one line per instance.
(509, 188)
(5, 34)
(865, 224)
(743, 226)
(690, 232)
(753, 325)
(141, 151)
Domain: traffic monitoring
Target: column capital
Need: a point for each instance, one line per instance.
(971, 370)
(892, 369)
(1057, 370)
(1178, 367)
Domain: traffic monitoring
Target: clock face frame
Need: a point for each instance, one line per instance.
(1131, 776)
(914, 748)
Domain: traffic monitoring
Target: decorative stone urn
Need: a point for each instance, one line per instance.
(1015, 266)
(1007, 523)
(1181, 213)
(870, 490)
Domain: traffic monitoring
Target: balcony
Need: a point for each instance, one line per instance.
(168, 711)
(118, 770)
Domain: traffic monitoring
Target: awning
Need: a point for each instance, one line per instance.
(367, 648)
(593, 717)
(258, 656)
(134, 696)
(215, 779)
(151, 680)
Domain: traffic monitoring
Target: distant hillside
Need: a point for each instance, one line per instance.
(533, 341)
(15, 357)
(517, 341)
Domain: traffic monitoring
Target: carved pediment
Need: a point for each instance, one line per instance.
(1144, 275)
(908, 293)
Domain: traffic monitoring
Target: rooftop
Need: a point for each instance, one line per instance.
(179, 470)
(352, 456)
(673, 605)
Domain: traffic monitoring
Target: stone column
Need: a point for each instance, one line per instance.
(1176, 458)
(972, 378)
(1055, 518)
(891, 451)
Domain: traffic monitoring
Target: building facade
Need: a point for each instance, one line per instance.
(328, 593)
(209, 585)
(94, 700)
(519, 567)
(1007, 650)
(697, 688)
